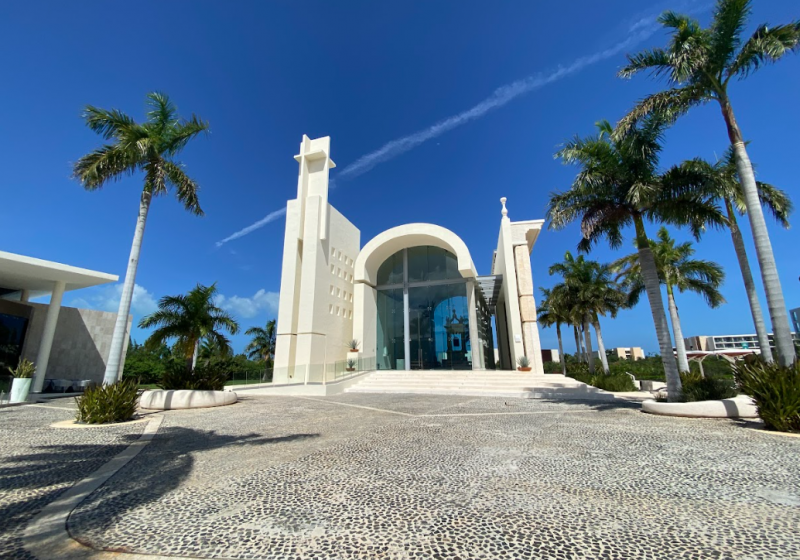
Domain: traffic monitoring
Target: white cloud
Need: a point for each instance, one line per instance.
(248, 307)
(106, 298)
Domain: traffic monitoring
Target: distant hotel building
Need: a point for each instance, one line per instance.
(632, 353)
(716, 343)
(795, 314)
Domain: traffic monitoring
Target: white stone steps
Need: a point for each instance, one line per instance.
(454, 383)
(478, 383)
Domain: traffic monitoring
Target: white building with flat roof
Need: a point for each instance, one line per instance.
(64, 343)
(624, 353)
(713, 343)
(411, 296)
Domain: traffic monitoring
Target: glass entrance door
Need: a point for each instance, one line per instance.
(436, 316)
(421, 339)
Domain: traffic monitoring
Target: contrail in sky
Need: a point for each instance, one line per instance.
(271, 217)
(638, 32)
(501, 96)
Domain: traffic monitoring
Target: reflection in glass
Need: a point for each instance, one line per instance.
(12, 334)
(438, 313)
(391, 271)
(390, 348)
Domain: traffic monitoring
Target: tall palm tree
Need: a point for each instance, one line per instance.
(262, 344)
(676, 270)
(149, 147)
(699, 65)
(729, 191)
(619, 184)
(593, 293)
(553, 311)
(190, 319)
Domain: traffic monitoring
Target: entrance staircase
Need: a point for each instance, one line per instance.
(512, 384)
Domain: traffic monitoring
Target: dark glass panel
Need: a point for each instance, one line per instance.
(437, 263)
(390, 346)
(12, 335)
(391, 271)
(417, 264)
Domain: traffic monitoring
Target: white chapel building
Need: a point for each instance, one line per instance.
(411, 296)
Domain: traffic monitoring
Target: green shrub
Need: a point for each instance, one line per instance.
(104, 404)
(709, 388)
(714, 366)
(552, 367)
(776, 392)
(576, 369)
(617, 382)
(178, 376)
(614, 382)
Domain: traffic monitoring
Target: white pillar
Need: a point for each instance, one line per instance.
(47, 336)
(474, 339)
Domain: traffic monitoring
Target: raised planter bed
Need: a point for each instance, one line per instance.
(739, 407)
(172, 400)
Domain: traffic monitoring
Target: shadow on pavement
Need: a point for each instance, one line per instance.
(160, 468)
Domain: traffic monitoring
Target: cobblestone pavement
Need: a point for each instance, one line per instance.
(38, 462)
(394, 476)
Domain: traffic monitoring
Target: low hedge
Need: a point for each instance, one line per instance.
(709, 388)
(178, 376)
(615, 382)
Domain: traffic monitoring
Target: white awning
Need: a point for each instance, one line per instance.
(18, 272)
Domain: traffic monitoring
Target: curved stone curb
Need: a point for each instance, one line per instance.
(739, 407)
(181, 399)
(46, 536)
(72, 424)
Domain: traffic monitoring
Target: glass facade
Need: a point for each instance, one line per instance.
(12, 335)
(437, 313)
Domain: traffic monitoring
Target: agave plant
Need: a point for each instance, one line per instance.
(523, 362)
(353, 345)
(24, 370)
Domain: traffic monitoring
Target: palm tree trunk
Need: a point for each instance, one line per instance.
(561, 350)
(782, 334)
(749, 285)
(115, 357)
(653, 286)
(587, 338)
(578, 350)
(195, 353)
(680, 344)
(601, 347)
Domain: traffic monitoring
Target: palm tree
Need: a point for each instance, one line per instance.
(210, 348)
(676, 269)
(729, 190)
(619, 184)
(593, 293)
(699, 65)
(190, 319)
(552, 311)
(262, 345)
(574, 272)
(150, 148)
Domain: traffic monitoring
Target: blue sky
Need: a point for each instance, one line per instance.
(365, 73)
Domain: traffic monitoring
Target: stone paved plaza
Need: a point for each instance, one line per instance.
(401, 476)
